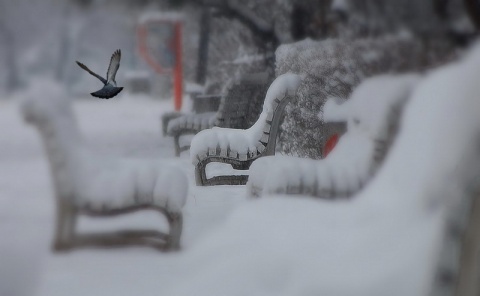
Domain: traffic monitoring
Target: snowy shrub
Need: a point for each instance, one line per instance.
(332, 68)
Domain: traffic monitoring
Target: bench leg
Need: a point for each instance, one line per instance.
(65, 226)
(176, 141)
(175, 221)
(66, 238)
(201, 175)
(179, 149)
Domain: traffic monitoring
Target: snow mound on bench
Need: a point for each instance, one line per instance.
(345, 170)
(348, 167)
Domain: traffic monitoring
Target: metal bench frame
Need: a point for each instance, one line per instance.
(238, 161)
(66, 238)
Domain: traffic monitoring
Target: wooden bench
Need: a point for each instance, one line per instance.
(238, 108)
(86, 184)
(240, 147)
(358, 154)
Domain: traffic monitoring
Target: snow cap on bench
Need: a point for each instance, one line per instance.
(368, 112)
(239, 142)
(90, 180)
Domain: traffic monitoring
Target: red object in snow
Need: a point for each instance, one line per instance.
(160, 45)
(331, 143)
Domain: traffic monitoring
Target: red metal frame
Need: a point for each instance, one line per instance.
(330, 144)
(178, 73)
(152, 62)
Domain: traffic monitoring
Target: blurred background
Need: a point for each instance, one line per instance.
(334, 44)
(220, 38)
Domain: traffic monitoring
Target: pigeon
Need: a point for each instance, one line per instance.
(110, 88)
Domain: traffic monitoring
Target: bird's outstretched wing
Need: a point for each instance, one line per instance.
(114, 65)
(91, 72)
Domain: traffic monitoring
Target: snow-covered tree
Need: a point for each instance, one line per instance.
(372, 37)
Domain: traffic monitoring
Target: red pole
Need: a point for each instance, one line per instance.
(142, 47)
(178, 81)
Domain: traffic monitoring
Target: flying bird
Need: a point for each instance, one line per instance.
(110, 88)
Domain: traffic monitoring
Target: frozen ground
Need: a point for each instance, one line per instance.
(130, 127)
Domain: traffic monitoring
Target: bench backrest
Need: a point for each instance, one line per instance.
(241, 106)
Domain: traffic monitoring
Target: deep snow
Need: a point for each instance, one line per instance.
(383, 242)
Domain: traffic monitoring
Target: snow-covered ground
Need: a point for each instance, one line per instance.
(127, 126)
(386, 240)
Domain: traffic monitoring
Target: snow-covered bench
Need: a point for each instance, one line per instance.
(201, 104)
(239, 147)
(385, 241)
(239, 108)
(372, 115)
(88, 184)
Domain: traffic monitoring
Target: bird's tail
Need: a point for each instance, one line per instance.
(107, 92)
